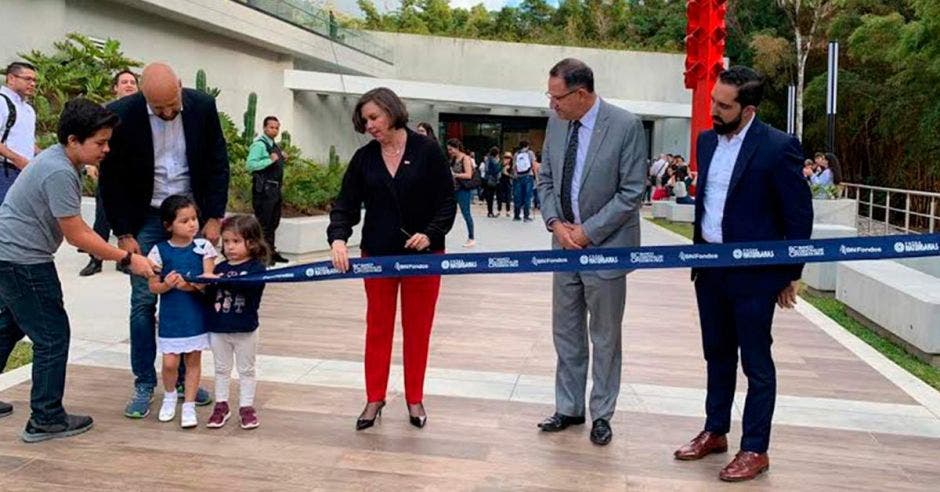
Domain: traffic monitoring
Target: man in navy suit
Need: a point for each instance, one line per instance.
(751, 189)
(169, 142)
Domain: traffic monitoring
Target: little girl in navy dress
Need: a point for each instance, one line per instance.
(182, 327)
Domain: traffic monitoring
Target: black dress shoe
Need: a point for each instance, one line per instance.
(559, 422)
(5, 409)
(364, 423)
(601, 433)
(93, 267)
(277, 258)
(73, 425)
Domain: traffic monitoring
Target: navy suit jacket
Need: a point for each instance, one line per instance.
(768, 200)
(127, 171)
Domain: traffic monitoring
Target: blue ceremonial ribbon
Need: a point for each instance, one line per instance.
(684, 256)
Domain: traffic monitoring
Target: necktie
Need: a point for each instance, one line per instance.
(567, 176)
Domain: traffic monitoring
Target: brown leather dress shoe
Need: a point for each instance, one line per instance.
(746, 465)
(703, 445)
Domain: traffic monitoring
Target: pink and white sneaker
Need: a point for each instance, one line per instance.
(220, 415)
(248, 417)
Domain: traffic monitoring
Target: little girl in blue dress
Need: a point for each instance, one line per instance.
(182, 328)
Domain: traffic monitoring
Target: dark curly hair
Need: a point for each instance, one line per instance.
(83, 118)
(248, 228)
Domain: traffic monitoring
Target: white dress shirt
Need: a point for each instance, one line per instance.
(719, 178)
(658, 168)
(170, 168)
(584, 143)
(22, 138)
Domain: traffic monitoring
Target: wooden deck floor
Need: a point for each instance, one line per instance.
(496, 329)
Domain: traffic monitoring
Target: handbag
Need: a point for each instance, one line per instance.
(472, 183)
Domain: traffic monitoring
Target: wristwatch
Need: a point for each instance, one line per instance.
(126, 261)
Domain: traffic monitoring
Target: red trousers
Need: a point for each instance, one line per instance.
(418, 301)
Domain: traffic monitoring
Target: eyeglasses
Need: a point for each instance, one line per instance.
(28, 79)
(553, 97)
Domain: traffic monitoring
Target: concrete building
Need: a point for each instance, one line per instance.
(309, 73)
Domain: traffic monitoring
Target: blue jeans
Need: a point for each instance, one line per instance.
(8, 175)
(31, 304)
(144, 309)
(522, 194)
(535, 196)
(463, 200)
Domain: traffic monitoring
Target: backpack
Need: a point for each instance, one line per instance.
(523, 161)
(11, 120)
(493, 170)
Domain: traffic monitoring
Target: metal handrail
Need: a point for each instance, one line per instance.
(892, 190)
(917, 205)
(318, 21)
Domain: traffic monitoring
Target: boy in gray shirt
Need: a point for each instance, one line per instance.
(42, 207)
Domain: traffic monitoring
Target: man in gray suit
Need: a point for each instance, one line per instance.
(591, 184)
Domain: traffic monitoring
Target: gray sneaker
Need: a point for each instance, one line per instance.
(73, 425)
(139, 406)
(203, 397)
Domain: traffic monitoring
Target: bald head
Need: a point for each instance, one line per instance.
(162, 89)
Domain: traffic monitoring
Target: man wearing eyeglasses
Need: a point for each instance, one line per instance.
(591, 185)
(17, 123)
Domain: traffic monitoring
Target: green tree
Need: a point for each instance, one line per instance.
(534, 17)
(436, 15)
(809, 21)
(479, 22)
(76, 67)
(889, 93)
(410, 19)
(373, 19)
(616, 24)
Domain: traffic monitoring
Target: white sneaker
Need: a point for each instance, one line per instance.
(188, 419)
(470, 243)
(168, 409)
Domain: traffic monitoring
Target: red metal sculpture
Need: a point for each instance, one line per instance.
(704, 60)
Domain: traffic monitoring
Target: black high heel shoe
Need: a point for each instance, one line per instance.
(362, 423)
(417, 421)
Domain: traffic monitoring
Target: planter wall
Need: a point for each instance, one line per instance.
(837, 212)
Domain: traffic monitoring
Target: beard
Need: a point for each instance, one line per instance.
(168, 118)
(723, 128)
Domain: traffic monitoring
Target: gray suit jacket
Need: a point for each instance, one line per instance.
(612, 182)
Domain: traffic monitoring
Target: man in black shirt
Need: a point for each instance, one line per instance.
(266, 164)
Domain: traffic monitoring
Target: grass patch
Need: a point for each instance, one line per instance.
(681, 228)
(22, 355)
(837, 312)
